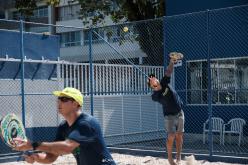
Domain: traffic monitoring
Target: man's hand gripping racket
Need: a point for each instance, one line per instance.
(11, 127)
(175, 57)
(13, 134)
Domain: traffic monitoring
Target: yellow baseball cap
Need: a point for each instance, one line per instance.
(71, 92)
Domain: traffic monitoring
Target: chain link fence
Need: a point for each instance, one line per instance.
(109, 65)
(212, 80)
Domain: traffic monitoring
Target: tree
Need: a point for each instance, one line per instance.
(25, 7)
(131, 10)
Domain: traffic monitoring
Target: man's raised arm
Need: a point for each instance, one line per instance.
(170, 67)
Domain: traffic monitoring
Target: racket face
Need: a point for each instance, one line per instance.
(11, 127)
(1, 129)
(176, 55)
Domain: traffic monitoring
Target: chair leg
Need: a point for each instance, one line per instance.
(220, 138)
(203, 137)
(223, 138)
(239, 139)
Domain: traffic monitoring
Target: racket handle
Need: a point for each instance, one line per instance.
(21, 158)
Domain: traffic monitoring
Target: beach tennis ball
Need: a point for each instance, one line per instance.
(125, 29)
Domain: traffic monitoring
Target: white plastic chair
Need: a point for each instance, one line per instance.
(236, 127)
(217, 127)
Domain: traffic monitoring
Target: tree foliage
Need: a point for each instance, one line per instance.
(131, 10)
(25, 7)
(120, 10)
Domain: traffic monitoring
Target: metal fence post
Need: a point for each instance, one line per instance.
(91, 73)
(210, 137)
(22, 72)
(165, 57)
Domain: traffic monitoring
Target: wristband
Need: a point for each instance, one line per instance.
(35, 145)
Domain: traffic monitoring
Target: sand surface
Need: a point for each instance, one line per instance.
(124, 159)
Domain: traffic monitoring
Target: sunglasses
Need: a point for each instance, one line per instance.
(65, 99)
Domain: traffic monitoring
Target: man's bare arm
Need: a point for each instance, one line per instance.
(170, 68)
(58, 148)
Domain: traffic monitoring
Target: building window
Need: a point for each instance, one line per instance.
(69, 12)
(16, 15)
(241, 81)
(40, 12)
(70, 39)
(2, 15)
(197, 82)
(223, 73)
(95, 37)
(229, 81)
(116, 34)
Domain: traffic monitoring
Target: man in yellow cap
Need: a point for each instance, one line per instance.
(79, 134)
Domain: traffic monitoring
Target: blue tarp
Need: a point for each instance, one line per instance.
(36, 46)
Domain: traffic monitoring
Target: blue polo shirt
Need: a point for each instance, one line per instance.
(87, 132)
(168, 97)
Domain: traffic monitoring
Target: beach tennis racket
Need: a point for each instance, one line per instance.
(11, 127)
(176, 56)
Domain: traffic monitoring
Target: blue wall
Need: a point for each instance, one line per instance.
(175, 7)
